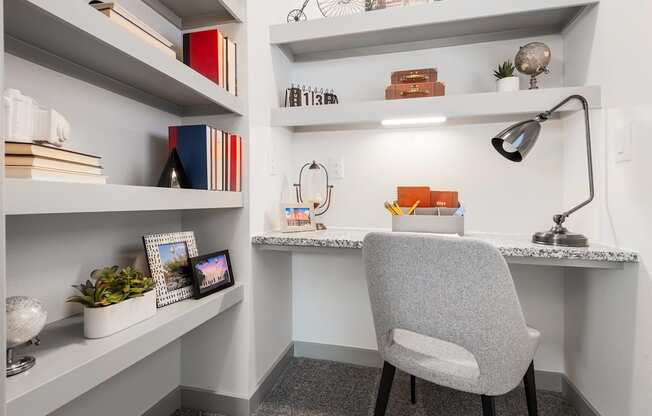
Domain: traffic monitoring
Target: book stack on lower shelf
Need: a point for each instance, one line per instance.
(211, 158)
(48, 163)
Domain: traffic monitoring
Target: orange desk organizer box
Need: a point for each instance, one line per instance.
(409, 195)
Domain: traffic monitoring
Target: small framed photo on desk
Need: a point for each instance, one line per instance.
(297, 217)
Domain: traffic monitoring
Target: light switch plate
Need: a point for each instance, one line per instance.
(336, 168)
(624, 148)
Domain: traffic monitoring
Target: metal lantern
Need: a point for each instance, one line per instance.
(320, 204)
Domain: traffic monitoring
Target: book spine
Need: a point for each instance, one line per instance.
(207, 155)
(225, 158)
(239, 182)
(192, 148)
(219, 157)
(173, 135)
(201, 53)
(233, 148)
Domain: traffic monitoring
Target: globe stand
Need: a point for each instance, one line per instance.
(534, 84)
(21, 364)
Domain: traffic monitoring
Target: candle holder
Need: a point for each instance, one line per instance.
(321, 207)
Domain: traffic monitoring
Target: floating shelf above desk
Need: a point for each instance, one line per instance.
(73, 38)
(23, 196)
(440, 24)
(68, 365)
(186, 14)
(467, 108)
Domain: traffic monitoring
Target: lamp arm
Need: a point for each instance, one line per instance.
(559, 219)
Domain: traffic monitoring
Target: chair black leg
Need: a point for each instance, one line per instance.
(413, 389)
(384, 389)
(531, 391)
(488, 406)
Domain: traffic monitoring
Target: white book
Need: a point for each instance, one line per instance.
(231, 70)
(51, 175)
(209, 176)
(219, 151)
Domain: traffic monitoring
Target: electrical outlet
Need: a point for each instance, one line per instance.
(272, 163)
(336, 168)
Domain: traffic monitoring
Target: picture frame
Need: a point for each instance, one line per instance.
(297, 217)
(211, 273)
(168, 258)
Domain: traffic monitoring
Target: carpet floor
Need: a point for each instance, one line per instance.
(324, 388)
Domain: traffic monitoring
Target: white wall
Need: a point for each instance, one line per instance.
(609, 322)
(330, 294)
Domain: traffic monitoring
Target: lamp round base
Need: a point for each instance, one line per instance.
(561, 239)
(20, 365)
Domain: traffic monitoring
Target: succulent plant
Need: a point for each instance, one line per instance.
(505, 70)
(110, 286)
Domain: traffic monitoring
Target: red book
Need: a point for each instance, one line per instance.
(233, 163)
(202, 51)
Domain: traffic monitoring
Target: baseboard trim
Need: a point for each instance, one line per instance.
(546, 380)
(211, 401)
(576, 398)
(269, 380)
(338, 353)
(167, 405)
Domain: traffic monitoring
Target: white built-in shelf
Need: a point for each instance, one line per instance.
(24, 196)
(186, 14)
(75, 39)
(445, 23)
(463, 108)
(68, 365)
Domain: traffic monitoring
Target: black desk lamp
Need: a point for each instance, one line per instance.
(515, 142)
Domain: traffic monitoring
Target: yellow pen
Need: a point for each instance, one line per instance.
(414, 207)
(390, 208)
(399, 211)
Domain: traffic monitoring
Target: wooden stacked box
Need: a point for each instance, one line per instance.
(415, 83)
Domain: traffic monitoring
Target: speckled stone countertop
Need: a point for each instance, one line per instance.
(508, 245)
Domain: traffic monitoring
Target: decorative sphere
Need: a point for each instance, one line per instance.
(533, 58)
(25, 319)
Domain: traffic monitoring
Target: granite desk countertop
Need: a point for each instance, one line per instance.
(508, 245)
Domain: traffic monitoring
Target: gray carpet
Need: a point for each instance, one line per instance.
(324, 388)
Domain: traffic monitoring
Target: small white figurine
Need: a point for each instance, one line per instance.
(24, 120)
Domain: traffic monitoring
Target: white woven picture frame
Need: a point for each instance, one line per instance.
(152, 243)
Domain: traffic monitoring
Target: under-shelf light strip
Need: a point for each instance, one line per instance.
(413, 121)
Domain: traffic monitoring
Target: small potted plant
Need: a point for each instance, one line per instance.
(115, 300)
(505, 79)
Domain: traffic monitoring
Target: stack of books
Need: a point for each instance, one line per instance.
(213, 55)
(47, 163)
(211, 158)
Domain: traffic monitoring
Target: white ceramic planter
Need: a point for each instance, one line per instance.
(102, 322)
(508, 84)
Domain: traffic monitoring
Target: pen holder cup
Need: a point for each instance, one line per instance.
(430, 220)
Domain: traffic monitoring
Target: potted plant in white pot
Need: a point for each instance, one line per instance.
(506, 81)
(116, 300)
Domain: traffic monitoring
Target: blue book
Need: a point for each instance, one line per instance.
(194, 146)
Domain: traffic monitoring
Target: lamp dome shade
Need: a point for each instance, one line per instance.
(516, 141)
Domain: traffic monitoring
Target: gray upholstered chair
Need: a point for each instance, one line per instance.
(446, 311)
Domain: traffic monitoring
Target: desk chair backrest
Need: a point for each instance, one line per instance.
(454, 289)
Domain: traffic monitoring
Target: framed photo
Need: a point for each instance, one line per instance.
(168, 258)
(211, 273)
(297, 217)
